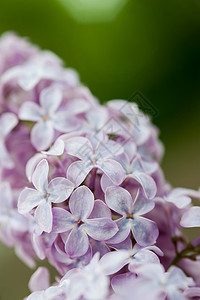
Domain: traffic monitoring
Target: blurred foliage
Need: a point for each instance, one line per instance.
(151, 46)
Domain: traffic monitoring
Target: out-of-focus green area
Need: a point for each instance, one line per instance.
(151, 46)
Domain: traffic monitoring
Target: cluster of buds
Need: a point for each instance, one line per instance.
(81, 186)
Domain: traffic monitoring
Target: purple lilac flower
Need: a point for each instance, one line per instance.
(44, 194)
(11, 222)
(153, 284)
(44, 65)
(79, 224)
(47, 116)
(144, 230)
(90, 157)
(7, 122)
(191, 218)
(14, 51)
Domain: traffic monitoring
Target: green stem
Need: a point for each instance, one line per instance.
(189, 252)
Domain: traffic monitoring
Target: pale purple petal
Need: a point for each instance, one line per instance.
(77, 243)
(119, 200)
(112, 262)
(7, 122)
(142, 257)
(50, 99)
(79, 147)
(100, 210)
(108, 149)
(59, 189)
(62, 220)
(57, 149)
(78, 171)
(43, 216)
(40, 280)
(147, 183)
(191, 218)
(122, 281)
(81, 202)
(28, 199)
(106, 182)
(144, 231)
(101, 229)
(78, 106)
(122, 234)
(64, 122)
(141, 205)
(177, 278)
(5, 159)
(6, 196)
(40, 176)
(30, 111)
(192, 292)
(32, 163)
(42, 135)
(175, 294)
(112, 169)
(152, 271)
(181, 197)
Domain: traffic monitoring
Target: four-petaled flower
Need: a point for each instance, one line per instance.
(47, 116)
(79, 224)
(91, 157)
(44, 194)
(7, 122)
(10, 220)
(144, 230)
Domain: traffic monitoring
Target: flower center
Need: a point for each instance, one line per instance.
(79, 222)
(47, 196)
(129, 216)
(45, 118)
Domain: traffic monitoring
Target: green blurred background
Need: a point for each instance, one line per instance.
(118, 47)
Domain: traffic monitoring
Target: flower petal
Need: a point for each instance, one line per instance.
(141, 205)
(57, 149)
(40, 280)
(30, 111)
(50, 99)
(77, 243)
(101, 229)
(42, 135)
(191, 218)
(7, 122)
(28, 199)
(43, 216)
(60, 189)
(79, 147)
(147, 183)
(40, 176)
(122, 234)
(112, 169)
(112, 262)
(81, 202)
(119, 200)
(78, 171)
(144, 231)
(6, 197)
(32, 164)
(64, 123)
(100, 210)
(62, 220)
(5, 159)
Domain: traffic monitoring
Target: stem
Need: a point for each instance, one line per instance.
(189, 252)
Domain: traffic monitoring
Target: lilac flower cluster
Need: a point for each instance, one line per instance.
(81, 186)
